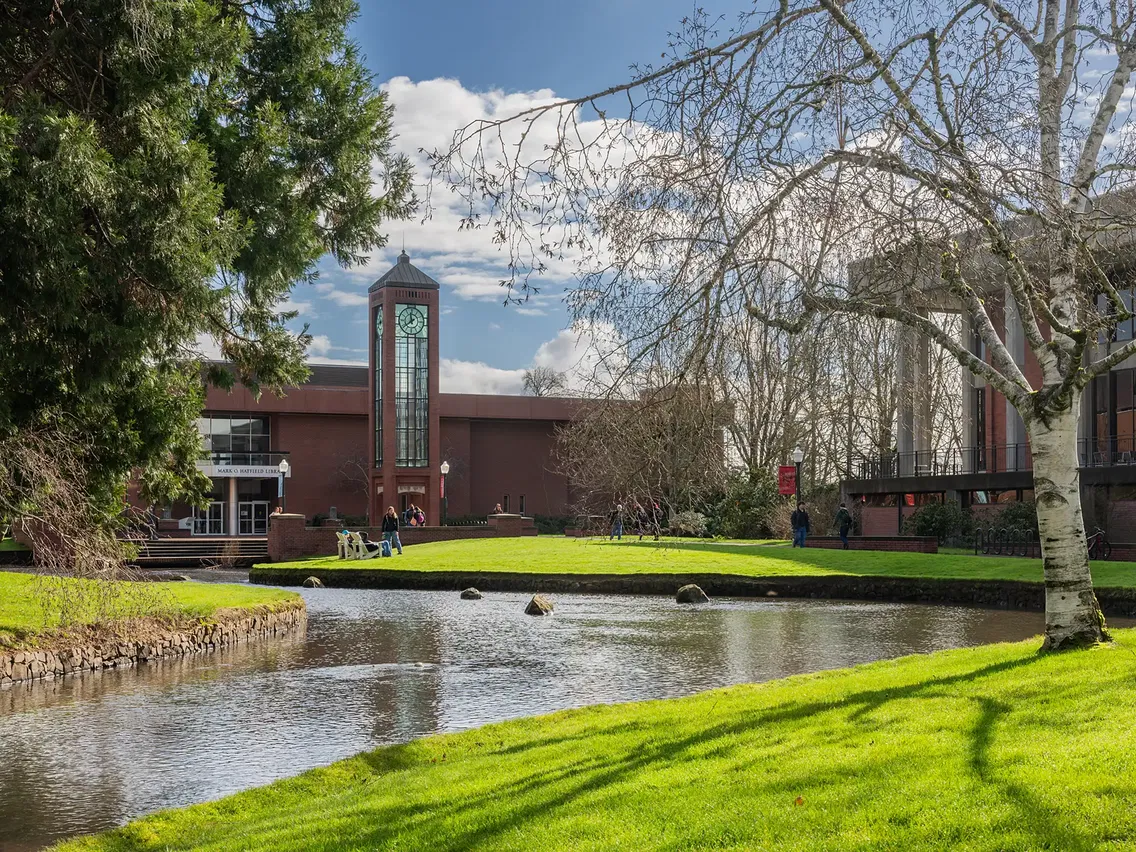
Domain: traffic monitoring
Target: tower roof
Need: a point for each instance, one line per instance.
(405, 274)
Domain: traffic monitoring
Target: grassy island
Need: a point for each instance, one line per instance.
(992, 748)
(561, 555)
(25, 623)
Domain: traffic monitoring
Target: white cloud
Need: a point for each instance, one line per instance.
(320, 345)
(465, 260)
(532, 312)
(583, 354)
(344, 362)
(475, 377)
(343, 298)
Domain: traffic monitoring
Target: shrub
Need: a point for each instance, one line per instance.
(689, 523)
(748, 508)
(552, 524)
(1016, 516)
(945, 521)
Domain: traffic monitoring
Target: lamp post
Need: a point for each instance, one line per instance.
(445, 468)
(798, 457)
(283, 467)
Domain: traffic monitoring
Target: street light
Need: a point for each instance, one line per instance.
(798, 457)
(283, 467)
(445, 468)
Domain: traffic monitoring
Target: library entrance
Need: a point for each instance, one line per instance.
(252, 518)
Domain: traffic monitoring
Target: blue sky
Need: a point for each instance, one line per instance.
(443, 63)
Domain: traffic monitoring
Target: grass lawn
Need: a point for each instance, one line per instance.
(553, 554)
(11, 544)
(22, 611)
(993, 748)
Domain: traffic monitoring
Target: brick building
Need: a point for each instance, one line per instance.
(359, 439)
(993, 466)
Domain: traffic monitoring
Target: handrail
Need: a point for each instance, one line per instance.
(989, 458)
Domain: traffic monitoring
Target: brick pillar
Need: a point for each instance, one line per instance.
(284, 537)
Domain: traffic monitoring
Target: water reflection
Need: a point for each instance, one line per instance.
(88, 753)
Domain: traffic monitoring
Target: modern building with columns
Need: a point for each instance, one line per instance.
(993, 465)
(356, 439)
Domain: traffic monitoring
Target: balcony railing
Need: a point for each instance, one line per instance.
(995, 458)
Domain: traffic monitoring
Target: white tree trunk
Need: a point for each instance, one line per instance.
(1072, 615)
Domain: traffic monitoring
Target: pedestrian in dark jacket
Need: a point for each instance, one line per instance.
(390, 530)
(844, 523)
(616, 519)
(800, 523)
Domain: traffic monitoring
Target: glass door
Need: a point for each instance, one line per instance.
(253, 517)
(210, 520)
(260, 518)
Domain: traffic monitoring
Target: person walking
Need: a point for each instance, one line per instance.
(616, 519)
(640, 519)
(800, 523)
(390, 530)
(843, 524)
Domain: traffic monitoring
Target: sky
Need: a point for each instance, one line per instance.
(444, 63)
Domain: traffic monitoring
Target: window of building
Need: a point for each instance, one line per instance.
(1122, 420)
(1101, 431)
(979, 429)
(379, 386)
(412, 386)
(235, 440)
(521, 504)
(505, 503)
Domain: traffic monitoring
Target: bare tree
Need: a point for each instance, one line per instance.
(665, 445)
(885, 159)
(545, 381)
(354, 473)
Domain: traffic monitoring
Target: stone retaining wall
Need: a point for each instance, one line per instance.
(993, 594)
(232, 627)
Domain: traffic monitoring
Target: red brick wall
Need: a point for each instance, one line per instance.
(882, 520)
(1122, 521)
(904, 544)
(318, 447)
(514, 458)
(455, 450)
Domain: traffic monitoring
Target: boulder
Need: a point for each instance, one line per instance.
(691, 593)
(471, 594)
(313, 583)
(539, 605)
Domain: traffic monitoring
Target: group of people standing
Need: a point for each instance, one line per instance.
(647, 521)
(799, 521)
(413, 517)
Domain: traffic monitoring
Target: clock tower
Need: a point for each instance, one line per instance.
(403, 415)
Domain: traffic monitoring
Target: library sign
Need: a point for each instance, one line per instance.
(241, 471)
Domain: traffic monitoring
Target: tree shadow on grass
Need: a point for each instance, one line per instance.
(498, 820)
(1050, 831)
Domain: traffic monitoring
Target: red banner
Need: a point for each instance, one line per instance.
(787, 479)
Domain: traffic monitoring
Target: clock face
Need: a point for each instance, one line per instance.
(411, 321)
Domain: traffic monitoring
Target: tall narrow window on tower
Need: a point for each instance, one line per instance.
(411, 386)
(379, 386)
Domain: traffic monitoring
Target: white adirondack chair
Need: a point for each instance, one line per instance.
(361, 548)
(343, 545)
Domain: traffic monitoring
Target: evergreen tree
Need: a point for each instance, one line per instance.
(169, 169)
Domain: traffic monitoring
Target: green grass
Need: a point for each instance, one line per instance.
(22, 612)
(551, 554)
(994, 748)
(11, 544)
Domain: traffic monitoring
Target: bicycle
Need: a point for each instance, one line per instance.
(1099, 548)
